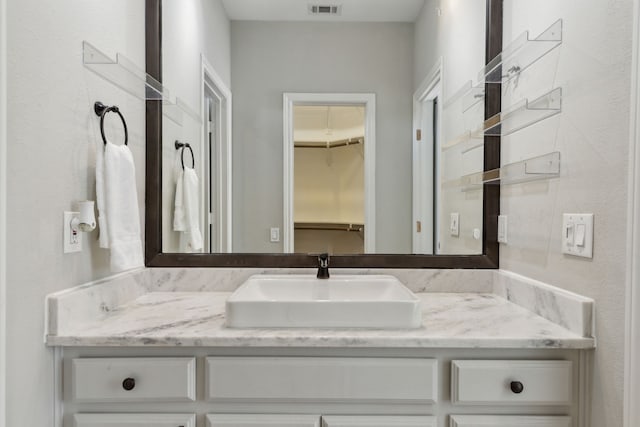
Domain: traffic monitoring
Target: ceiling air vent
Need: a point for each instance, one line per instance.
(325, 9)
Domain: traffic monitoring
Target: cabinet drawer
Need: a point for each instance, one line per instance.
(508, 421)
(134, 420)
(321, 379)
(378, 421)
(260, 420)
(536, 382)
(133, 379)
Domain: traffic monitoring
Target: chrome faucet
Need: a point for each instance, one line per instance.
(323, 266)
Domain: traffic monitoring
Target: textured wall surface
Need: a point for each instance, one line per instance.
(53, 136)
(593, 67)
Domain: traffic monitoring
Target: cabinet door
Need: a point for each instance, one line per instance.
(378, 421)
(508, 421)
(134, 420)
(262, 420)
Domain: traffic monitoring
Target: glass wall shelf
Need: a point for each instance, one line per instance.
(467, 96)
(538, 168)
(175, 111)
(520, 54)
(470, 140)
(123, 73)
(524, 114)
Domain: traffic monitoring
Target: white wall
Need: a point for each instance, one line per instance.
(454, 30)
(191, 28)
(593, 66)
(53, 136)
(265, 62)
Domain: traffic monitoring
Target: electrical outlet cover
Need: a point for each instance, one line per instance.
(71, 243)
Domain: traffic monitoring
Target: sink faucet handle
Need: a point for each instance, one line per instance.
(323, 260)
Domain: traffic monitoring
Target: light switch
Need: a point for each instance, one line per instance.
(577, 235)
(580, 234)
(454, 224)
(502, 229)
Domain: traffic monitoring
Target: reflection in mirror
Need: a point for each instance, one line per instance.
(228, 67)
(328, 191)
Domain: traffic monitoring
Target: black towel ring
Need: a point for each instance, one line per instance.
(102, 110)
(180, 145)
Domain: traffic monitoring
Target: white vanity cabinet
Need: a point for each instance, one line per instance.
(324, 387)
(134, 420)
(279, 420)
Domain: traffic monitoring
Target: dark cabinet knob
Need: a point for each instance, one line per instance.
(128, 384)
(516, 387)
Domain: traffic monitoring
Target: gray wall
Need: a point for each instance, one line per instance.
(53, 136)
(190, 28)
(593, 66)
(268, 59)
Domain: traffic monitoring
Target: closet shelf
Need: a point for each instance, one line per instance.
(330, 144)
(520, 116)
(175, 111)
(123, 73)
(337, 226)
(520, 54)
(538, 168)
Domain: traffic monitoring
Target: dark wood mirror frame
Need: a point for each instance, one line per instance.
(154, 257)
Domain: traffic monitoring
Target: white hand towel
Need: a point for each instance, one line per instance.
(179, 215)
(121, 201)
(192, 211)
(100, 197)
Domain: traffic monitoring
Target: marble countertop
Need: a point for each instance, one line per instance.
(187, 319)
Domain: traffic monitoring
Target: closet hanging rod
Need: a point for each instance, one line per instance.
(329, 144)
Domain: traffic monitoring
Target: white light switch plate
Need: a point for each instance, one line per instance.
(454, 224)
(577, 235)
(502, 229)
(275, 235)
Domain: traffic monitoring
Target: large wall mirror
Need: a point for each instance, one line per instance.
(352, 128)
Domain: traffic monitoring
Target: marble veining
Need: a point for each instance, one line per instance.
(564, 308)
(228, 279)
(186, 307)
(197, 319)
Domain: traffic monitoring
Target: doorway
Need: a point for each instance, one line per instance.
(217, 191)
(427, 106)
(328, 190)
(343, 222)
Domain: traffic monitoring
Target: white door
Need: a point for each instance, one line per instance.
(425, 173)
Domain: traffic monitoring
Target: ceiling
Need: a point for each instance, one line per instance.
(298, 10)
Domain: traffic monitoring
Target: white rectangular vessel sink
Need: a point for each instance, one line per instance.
(342, 301)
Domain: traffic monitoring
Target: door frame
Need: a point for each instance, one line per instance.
(211, 79)
(369, 101)
(430, 89)
(632, 318)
